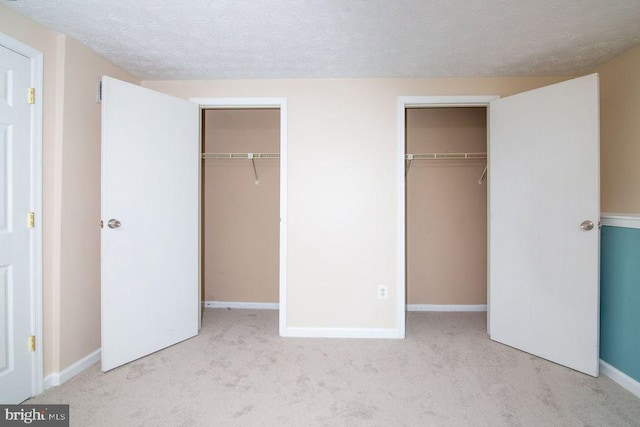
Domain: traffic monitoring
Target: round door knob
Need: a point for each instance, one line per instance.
(586, 225)
(113, 223)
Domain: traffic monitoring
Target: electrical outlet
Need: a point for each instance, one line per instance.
(383, 292)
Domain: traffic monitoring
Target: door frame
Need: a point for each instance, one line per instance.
(253, 103)
(405, 102)
(35, 177)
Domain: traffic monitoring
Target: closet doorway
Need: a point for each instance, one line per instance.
(542, 240)
(446, 209)
(242, 204)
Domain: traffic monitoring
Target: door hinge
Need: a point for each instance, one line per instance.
(32, 343)
(31, 220)
(99, 92)
(32, 95)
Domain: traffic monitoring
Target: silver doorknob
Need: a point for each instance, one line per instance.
(113, 223)
(586, 225)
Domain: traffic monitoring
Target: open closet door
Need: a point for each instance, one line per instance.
(543, 226)
(149, 261)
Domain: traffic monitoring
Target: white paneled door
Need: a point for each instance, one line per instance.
(543, 216)
(150, 198)
(16, 360)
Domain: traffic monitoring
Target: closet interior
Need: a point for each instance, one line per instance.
(240, 205)
(446, 206)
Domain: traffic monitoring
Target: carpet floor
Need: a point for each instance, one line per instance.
(239, 372)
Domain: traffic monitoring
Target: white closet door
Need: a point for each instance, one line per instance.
(544, 193)
(150, 173)
(16, 239)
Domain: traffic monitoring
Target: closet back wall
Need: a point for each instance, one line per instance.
(241, 220)
(446, 208)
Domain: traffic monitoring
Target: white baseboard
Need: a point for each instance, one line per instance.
(57, 378)
(446, 307)
(242, 305)
(620, 377)
(342, 333)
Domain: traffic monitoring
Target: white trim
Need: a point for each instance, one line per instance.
(18, 47)
(284, 156)
(343, 333)
(275, 102)
(446, 307)
(241, 305)
(620, 220)
(405, 102)
(401, 260)
(620, 377)
(200, 211)
(57, 378)
(446, 101)
(37, 72)
(280, 103)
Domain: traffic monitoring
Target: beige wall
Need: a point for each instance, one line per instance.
(620, 132)
(446, 208)
(241, 220)
(71, 190)
(342, 187)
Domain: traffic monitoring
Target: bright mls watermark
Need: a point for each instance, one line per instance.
(34, 415)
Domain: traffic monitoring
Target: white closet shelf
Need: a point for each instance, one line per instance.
(240, 155)
(250, 156)
(445, 156)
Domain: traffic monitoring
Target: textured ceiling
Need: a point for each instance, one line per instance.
(212, 39)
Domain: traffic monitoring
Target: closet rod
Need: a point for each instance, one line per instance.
(240, 155)
(250, 156)
(445, 156)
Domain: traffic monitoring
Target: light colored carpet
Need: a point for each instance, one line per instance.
(238, 372)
